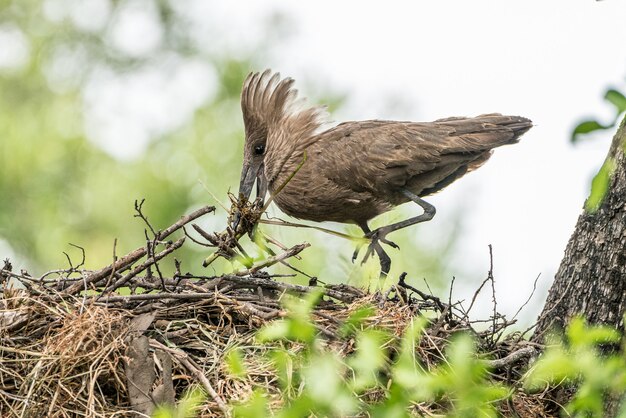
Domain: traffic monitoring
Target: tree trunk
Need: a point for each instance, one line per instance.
(591, 280)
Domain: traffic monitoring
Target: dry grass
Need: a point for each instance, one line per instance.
(59, 360)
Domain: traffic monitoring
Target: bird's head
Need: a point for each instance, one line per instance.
(278, 129)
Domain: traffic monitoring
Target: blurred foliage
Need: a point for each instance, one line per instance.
(57, 185)
(600, 183)
(320, 382)
(105, 102)
(617, 100)
(578, 360)
(186, 408)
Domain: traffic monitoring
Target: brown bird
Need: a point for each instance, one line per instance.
(355, 171)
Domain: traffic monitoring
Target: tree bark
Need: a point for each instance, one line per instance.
(591, 280)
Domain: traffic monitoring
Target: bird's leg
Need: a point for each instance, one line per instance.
(378, 235)
(385, 260)
(429, 213)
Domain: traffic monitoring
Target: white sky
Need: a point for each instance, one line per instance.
(549, 61)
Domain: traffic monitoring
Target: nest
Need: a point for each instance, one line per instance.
(75, 343)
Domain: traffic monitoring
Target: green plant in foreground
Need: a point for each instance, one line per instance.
(600, 182)
(186, 408)
(577, 360)
(617, 100)
(384, 377)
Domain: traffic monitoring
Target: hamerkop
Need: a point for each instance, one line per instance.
(357, 170)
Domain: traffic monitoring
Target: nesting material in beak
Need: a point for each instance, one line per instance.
(249, 175)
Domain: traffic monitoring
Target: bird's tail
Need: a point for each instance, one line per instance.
(484, 132)
(517, 124)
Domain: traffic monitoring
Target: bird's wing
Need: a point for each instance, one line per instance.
(424, 157)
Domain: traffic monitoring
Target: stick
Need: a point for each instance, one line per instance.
(130, 258)
(296, 249)
(253, 282)
(120, 264)
(176, 245)
(155, 296)
(183, 221)
(189, 364)
(511, 358)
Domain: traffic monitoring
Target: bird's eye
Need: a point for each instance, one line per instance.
(259, 149)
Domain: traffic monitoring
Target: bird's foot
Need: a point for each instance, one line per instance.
(376, 237)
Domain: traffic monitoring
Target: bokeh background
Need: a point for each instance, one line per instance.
(104, 102)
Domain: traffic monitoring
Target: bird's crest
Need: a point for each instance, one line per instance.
(272, 110)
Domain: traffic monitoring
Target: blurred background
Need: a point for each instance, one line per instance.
(104, 102)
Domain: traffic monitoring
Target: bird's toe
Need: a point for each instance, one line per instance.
(355, 254)
(370, 250)
(390, 243)
(379, 235)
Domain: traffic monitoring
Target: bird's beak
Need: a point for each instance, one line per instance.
(249, 174)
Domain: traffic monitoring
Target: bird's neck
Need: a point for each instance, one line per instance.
(288, 142)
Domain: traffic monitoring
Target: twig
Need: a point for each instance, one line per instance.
(296, 249)
(493, 289)
(184, 220)
(423, 295)
(529, 297)
(190, 365)
(204, 244)
(476, 293)
(253, 282)
(280, 222)
(252, 310)
(511, 358)
(82, 251)
(287, 180)
(108, 282)
(450, 292)
(120, 264)
(135, 271)
(139, 214)
(545, 314)
(156, 296)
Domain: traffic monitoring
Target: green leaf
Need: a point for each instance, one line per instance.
(617, 99)
(186, 408)
(553, 366)
(235, 364)
(276, 330)
(326, 387)
(582, 335)
(254, 407)
(600, 186)
(286, 366)
(586, 127)
(369, 359)
(356, 319)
